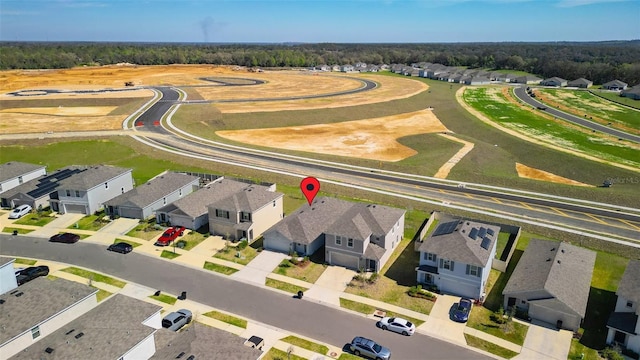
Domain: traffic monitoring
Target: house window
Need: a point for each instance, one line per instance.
(20, 179)
(350, 243)
(106, 185)
(35, 332)
(222, 213)
(473, 270)
(338, 240)
(245, 216)
(446, 264)
(68, 192)
(629, 304)
(77, 193)
(431, 257)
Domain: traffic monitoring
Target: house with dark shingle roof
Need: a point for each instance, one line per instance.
(121, 327)
(615, 85)
(580, 83)
(528, 79)
(623, 324)
(551, 283)
(8, 280)
(633, 93)
(355, 235)
(87, 191)
(15, 173)
(142, 201)
(554, 81)
(457, 257)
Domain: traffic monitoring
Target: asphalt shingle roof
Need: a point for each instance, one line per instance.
(154, 190)
(6, 260)
(250, 198)
(629, 286)
(562, 270)
(92, 177)
(580, 81)
(624, 321)
(14, 169)
(616, 83)
(43, 185)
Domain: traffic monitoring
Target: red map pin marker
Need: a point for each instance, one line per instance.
(310, 187)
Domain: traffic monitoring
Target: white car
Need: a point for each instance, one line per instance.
(396, 324)
(20, 211)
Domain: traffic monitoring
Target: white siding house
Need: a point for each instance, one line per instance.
(623, 325)
(15, 173)
(7, 275)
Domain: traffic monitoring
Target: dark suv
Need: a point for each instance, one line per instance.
(66, 238)
(31, 273)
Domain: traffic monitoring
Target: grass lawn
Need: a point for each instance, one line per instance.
(306, 344)
(146, 230)
(219, 268)
(25, 261)
(167, 299)
(503, 240)
(132, 243)
(276, 354)
(369, 309)
(230, 253)
(192, 239)
(619, 99)
(93, 222)
(285, 286)
(94, 276)
(36, 219)
(308, 271)
(102, 294)
(489, 347)
(229, 319)
(479, 319)
(347, 356)
(577, 350)
(10, 230)
(167, 254)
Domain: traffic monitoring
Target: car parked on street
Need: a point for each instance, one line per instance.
(461, 310)
(66, 238)
(20, 211)
(120, 247)
(31, 273)
(170, 235)
(396, 324)
(361, 346)
(176, 320)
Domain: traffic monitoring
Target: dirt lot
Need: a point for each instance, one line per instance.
(531, 173)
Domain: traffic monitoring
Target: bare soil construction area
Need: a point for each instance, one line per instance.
(532, 173)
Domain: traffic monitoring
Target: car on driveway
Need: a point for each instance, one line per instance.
(120, 247)
(67, 238)
(169, 235)
(361, 346)
(396, 324)
(20, 211)
(461, 310)
(31, 273)
(176, 320)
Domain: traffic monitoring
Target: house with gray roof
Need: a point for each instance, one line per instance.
(142, 201)
(527, 79)
(506, 78)
(355, 235)
(580, 83)
(551, 283)
(623, 325)
(632, 93)
(457, 257)
(554, 81)
(15, 173)
(39, 308)
(7, 275)
(121, 327)
(200, 341)
(476, 80)
(87, 191)
(615, 85)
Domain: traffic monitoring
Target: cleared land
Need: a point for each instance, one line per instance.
(531, 173)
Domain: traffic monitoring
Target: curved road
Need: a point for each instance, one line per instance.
(304, 317)
(521, 93)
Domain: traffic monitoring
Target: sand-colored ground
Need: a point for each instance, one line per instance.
(42, 123)
(63, 111)
(444, 170)
(532, 173)
(69, 94)
(374, 139)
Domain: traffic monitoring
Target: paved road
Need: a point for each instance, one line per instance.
(299, 316)
(521, 93)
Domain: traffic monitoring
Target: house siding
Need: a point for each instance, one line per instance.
(92, 199)
(23, 178)
(7, 278)
(275, 241)
(143, 350)
(261, 220)
(632, 342)
(552, 316)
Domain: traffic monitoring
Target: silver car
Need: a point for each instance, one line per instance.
(20, 211)
(176, 320)
(368, 348)
(396, 324)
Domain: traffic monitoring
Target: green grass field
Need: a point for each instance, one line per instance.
(619, 99)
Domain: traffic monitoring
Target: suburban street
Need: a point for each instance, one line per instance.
(308, 318)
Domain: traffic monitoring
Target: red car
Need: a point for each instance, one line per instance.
(170, 235)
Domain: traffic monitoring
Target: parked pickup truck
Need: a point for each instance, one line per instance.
(170, 235)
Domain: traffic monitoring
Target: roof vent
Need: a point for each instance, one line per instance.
(19, 294)
(1, 301)
(48, 350)
(562, 251)
(463, 231)
(558, 261)
(180, 355)
(313, 208)
(553, 249)
(70, 331)
(548, 259)
(191, 357)
(79, 335)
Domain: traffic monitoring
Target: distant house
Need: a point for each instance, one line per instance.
(495, 76)
(360, 65)
(476, 80)
(633, 93)
(37, 192)
(87, 191)
(580, 83)
(323, 68)
(457, 257)
(142, 201)
(15, 173)
(335, 68)
(623, 324)
(551, 283)
(528, 79)
(614, 85)
(347, 68)
(506, 78)
(7, 275)
(355, 235)
(554, 81)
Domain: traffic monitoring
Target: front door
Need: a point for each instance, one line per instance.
(428, 279)
(620, 337)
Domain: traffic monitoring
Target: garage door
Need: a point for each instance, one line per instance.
(458, 288)
(76, 209)
(347, 261)
(276, 243)
(131, 213)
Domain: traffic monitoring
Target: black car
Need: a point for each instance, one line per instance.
(121, 247)
(31, 273)
(67, 238)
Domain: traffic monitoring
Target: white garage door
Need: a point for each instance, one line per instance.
(277, 243)
(76, 209)
(448, 286)
(340, 259)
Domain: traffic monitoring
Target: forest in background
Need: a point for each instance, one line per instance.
(596, 61)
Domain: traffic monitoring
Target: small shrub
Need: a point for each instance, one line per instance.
(498, 316)
(294, 260)
(373, 278)
(612, 353)
(285, 264)
(243, 244)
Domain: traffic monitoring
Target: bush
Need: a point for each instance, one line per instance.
(286, 264)
(243, 244)
(417, 291)
(373, 278)
(498, 316)
(612, 353)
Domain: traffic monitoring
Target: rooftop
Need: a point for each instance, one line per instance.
(92, 177)
(629, 286)
(155, 189)
(43, 185)
(14, 169)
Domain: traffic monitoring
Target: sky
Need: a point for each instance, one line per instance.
(316, 21)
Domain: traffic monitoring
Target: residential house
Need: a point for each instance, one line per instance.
(396, 68)
(7, 275)
(494, 76)
(347, 68)
(15, 173)
(39, 308)
(527, 79)
(551, 283)
(335, 68)
(615, 85)
(359, 66)
(457, 256)
(87, 191)
(476, 80)
(580, 83)
(121, 327)
(623, 324)
(633, 93)
(244, 211)
(509, 78)
(200, 341)
(554, 81)
(142, 201)
(384, 67)
(355, 235)
(323, 68)
(37, 192)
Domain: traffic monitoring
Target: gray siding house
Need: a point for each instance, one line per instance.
(87, 191)
(8, 280)
(633, 93)
(615, 85)
(552, 282)
(580, 83)
(528, 79)
(457, 257)
(623, 325)
(38, 192)
(554, 81)
(142, 201)
(15, 173)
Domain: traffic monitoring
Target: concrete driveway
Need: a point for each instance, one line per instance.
(258, 269)
(330, 285)
(545, 343)
(439, 324)
(59, 224)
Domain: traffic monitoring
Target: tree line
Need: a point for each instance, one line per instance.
(596, 61)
